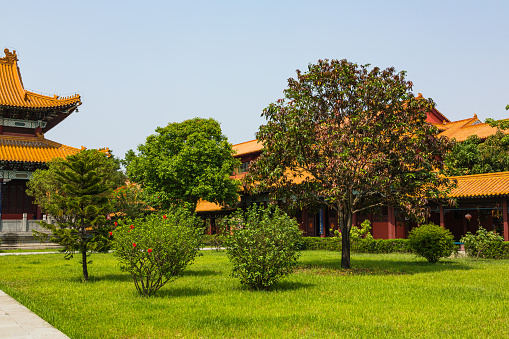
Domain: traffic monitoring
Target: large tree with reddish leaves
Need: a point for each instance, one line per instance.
(350, 138)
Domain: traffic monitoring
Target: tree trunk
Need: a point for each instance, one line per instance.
(345, 225)
(84, 259)
(83, 249)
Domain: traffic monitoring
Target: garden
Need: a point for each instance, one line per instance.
(149, 278)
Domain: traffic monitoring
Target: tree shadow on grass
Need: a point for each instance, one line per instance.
(200, 273)
(365, 266)
(120, 277)
(178, 292)
(280, 286)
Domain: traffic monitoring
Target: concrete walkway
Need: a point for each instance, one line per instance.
(18, 322)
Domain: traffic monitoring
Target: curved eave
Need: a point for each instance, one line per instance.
(13, 94)
(36, 150)
(487, 185)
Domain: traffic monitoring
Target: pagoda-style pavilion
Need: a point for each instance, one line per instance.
(24, 118)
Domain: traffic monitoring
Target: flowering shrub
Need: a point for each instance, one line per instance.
(261, 243)
(157, 249)
(431, 242)
(483, 244)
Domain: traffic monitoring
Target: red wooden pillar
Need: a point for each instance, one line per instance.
(354, 219)
(442, 222)
(506, 224)
(391, 234)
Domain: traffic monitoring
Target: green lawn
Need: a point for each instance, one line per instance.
(391, 295)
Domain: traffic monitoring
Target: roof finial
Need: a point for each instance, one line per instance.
(9, 57)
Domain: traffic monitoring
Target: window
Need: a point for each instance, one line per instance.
(244, 166)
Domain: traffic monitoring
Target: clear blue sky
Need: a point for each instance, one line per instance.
(143, 64)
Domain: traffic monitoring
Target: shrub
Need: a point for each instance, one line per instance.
(431, 242)
(262, 245)
(358, 232)
(157, 249)
(483, 244)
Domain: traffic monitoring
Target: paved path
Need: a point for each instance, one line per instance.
(18, 322)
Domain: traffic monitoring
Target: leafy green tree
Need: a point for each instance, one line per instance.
(76, 192)
(129, 202)
(477, 156)
(183, 163)
(350, 138)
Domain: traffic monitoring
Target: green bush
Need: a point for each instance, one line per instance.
(483, 244)
(262, 245)
(431, 242)
(157, 249)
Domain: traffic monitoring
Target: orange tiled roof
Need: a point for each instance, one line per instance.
(32, 149)
(248, 147)
(462, 129)
(205, 206)
(481, 185)
(12, 92)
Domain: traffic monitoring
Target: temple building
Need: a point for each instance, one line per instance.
(481, 199)
(24, 118)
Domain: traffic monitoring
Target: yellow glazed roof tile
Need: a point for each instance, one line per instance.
(481, 185)
(32, 149)
(12, 92)
(248, 147)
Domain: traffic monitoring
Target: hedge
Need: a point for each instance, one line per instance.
(359, 246)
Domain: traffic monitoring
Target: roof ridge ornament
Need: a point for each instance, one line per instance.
(10, 57)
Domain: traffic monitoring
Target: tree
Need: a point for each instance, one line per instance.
(76, 192)
(477, 156)
(351, 139)
(183, 163)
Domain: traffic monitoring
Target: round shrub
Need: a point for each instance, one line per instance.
(431, 242)
(261, 244)
(156, 249)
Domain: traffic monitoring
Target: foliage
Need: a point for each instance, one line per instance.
(350, 138)
(431, 242)
(359, 232)
(483, 244)
(477, 156)
(183, 163)
(156, 249)
(262, 245)
(76, 192)
(128, 201)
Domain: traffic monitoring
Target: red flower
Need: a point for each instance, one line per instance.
(131, 227)
(165, 217)
(149, 250)
(134, 245)
(111, 233)
(116, 224)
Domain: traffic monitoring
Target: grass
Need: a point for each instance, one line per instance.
(22, 250)
(387, 296)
